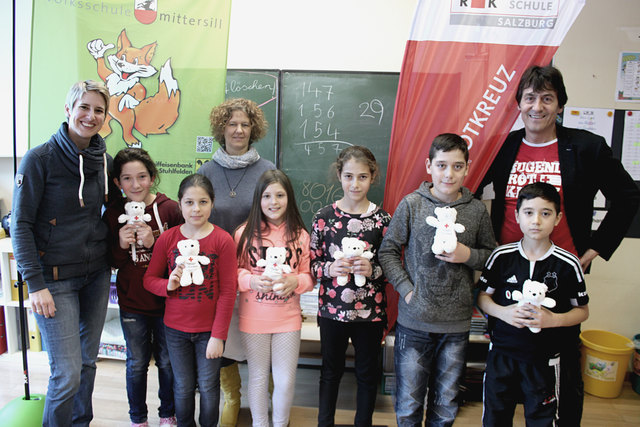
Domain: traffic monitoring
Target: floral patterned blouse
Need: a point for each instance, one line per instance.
(348, 303)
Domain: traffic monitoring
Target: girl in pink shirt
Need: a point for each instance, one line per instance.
(269, 309)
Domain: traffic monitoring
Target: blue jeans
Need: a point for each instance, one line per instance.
(187, 352)
(428, 360)
(145, 335)
(72, 337)
(334, 339)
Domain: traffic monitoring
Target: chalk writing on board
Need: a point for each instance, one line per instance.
(372, 108)
(316, 195)
(314, 128)
(320, 147)
(235, 86)
(318, 91)
(242, 81)
(322, 114)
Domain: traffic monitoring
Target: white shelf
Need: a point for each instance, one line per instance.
(478, 339)
(310, 330)
(10, 307)
(5, 245)
(8, 302)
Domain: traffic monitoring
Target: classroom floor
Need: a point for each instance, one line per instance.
(110, 400)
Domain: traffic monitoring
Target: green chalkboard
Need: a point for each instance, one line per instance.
(261, 86)
(323, 113)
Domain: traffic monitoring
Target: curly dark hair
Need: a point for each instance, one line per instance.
(221, 114)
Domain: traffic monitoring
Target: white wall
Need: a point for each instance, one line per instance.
(360, 35)
(23, 19)
(589, 54)
(370, 35)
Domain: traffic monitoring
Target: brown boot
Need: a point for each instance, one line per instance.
(230, 383)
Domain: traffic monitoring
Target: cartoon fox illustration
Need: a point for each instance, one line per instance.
(130, 105)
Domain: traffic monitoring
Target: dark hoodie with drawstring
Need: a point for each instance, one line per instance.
(56, 227)
(132, 297)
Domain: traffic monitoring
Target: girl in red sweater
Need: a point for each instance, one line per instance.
(197, 315)
(269, 309)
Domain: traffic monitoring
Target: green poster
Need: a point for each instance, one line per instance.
(163, 61)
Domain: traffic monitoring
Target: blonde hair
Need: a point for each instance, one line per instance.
(82, 87)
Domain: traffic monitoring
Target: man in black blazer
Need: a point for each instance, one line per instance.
(578, 163)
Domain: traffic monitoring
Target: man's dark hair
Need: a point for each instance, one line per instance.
(543, 78)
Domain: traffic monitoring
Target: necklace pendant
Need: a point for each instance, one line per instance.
(232, 194)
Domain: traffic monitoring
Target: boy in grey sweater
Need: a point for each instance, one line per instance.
(434, 311)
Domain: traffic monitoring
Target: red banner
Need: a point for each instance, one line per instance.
(461, 70)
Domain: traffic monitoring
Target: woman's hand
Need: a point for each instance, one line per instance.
(262, 284)
(127, 235)
(286, 285)
(341, 267)
(174, 278)
(42, 303)
(215, 347)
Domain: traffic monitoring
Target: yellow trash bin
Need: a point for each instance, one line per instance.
(605, 358)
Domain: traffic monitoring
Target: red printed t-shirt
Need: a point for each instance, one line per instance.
(535, 163)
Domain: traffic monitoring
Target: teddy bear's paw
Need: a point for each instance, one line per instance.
(342, 280)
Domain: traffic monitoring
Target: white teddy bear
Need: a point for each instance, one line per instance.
(134, 212)
(352, 247)
(275, 266)
(533, 293)
(192, 272)
(445, 239)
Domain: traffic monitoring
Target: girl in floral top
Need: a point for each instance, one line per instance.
(350, 311)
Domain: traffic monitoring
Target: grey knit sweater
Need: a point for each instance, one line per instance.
(442, 292)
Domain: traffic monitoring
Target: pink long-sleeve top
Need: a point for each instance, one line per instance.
(196, 308)
(259, 312)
